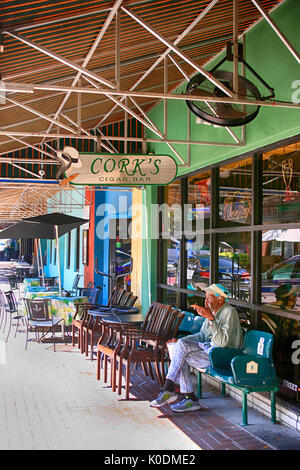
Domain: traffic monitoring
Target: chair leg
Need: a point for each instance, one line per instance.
(105, 369)
(273, 407)
(17, 327)
(120, 376)
(82, 340)
(145, 369)
(86, 343)
(151, 371)
(9, 328)
(157, 370)
(127, 381)
(27, 327)
(199, 384)
(53, 335)
(1, 319)
(244, 410)
(79, 338)
(92, 338)
(163, 370)
(5, 322)
(114, 373)
(98, 365)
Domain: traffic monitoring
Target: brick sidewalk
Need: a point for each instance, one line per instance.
(53, 401)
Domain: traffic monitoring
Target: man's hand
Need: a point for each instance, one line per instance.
(203, 312)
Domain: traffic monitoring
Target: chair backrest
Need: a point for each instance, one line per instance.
(116, 297)
(132, 300)
(125, 298)
(259, 343)
(11, 301)
(187, 322)
(38, 309)
(155, 321)
(3, 301)
(177, 320)
(92, 294)
(50, 281)
(12, 279)
(76, 281)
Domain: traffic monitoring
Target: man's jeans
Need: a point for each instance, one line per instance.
(185, 354)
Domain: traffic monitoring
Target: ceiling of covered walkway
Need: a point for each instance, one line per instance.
(69, 68)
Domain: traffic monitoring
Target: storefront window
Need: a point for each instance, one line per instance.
(235, 264)
(226, 245)
(199, 198)
(281, 185)
(198, 248)
(198, 267)
(171, 215)
(286, 353)
(280, 271)
(235, 193)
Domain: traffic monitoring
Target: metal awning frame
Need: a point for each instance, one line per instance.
(113, 92)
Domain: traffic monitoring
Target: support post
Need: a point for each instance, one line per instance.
(58, 259)
(245, 410)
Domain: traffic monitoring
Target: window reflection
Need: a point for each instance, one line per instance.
(198, 264)
(235, 193)
(198, 250)
(281, 267)
(281, 184)
(235, 264)
(171, 243)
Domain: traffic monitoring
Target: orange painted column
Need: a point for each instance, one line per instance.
(89, 268)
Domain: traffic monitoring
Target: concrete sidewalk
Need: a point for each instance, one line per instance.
(53, 401)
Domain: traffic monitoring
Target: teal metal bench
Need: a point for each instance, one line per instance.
(250, 369)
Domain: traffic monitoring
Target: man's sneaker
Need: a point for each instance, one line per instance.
(163, 398)
(186, 404)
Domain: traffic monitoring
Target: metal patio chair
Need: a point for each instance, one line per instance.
(3, 311)
(39, 318)
(12, 312)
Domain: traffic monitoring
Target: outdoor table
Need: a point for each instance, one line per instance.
(61, 307)
(31, 292)
(107, 316)
(31, 282)
(21, 268)
(65, 307)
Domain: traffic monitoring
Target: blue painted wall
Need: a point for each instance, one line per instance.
(51, 267)
(108, 205)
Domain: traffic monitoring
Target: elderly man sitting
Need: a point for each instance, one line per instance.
(221, 328)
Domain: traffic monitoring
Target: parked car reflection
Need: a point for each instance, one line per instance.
(287, 271)
(231, 274)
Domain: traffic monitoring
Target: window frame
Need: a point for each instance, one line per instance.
(255, 229)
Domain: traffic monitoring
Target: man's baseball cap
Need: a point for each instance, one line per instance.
(284, 290)
(217, 289)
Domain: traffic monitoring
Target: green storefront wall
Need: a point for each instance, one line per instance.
(267, 54)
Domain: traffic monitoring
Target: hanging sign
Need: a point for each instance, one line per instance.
(237, 207)
(115, 169)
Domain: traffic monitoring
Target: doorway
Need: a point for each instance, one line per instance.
(120, 260)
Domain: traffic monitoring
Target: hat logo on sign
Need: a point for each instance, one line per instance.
(69, 159)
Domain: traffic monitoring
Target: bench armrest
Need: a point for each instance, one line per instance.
(220, 358)
(253, 371)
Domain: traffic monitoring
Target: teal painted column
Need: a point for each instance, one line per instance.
(149, 255)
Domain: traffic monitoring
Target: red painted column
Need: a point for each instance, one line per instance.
(89, 269)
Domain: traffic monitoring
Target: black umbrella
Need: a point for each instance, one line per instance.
(43, 226)
(48, 226)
